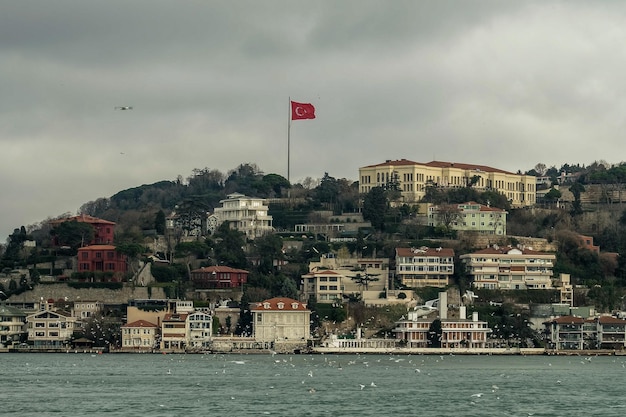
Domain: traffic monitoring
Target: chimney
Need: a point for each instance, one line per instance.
(462, 312)
(443, 305)
(475, 316)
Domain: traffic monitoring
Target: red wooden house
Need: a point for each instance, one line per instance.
(104, 230)
(102, 258)
(212, 277)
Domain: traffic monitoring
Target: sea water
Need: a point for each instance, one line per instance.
(310, 385)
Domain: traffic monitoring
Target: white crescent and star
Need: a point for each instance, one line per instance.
(300, 111)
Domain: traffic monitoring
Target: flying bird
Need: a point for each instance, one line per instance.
(124, 108)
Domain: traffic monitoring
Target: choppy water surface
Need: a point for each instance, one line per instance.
(310, 385)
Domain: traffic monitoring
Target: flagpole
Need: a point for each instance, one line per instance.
(288, 138)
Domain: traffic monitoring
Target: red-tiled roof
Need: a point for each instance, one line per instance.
(469, 167)
(567, 320)
(394, 163)
(275, 304)
(98, 247)
(83, 218)
(175, 317)
(140, 323)
(438, 252)
(440, 164)
(610, 320)
(218, 269)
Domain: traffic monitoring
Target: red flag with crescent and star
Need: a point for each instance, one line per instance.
(301, 111)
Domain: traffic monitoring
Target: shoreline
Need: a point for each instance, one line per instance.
(338, 351)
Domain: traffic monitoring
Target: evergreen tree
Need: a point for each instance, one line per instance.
(375, 207)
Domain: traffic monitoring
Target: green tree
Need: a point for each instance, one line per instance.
(229, 247)
(577, 189)
(159, 222)
(375, 207)
(434, 334)
(73, 234)
(552, 196)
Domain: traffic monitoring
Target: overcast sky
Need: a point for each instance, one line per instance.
(506, 84)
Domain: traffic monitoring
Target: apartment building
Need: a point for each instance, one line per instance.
(508, 268)
(470, 217)
(424, 267)
(577, 333)
(412, 178)
(246, 214)
(332, 277)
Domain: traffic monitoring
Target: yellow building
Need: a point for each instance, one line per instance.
(412, 178)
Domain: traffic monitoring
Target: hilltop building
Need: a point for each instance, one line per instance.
(104, 230)
(249, 215)
(412, 178)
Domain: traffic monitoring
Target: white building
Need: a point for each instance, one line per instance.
(199, 328)
(50, 329)
(424, 267)
(11, 325)
(85, 309)
(455, 332)
(281, 319)
(509, 268)
(246, 214)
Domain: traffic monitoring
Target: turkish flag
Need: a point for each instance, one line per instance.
(302, 111)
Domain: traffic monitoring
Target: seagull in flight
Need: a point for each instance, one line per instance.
(124, 108)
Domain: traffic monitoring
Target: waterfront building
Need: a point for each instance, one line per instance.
(139, 335)
(424, 267)
(455, 333)
(417, 331)
(508, 268)
(12, 325)
(174, 331)
(248, 215)
(199, 330)
(412, 179)
(577, 333)
(281, 319)
(50, 329)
